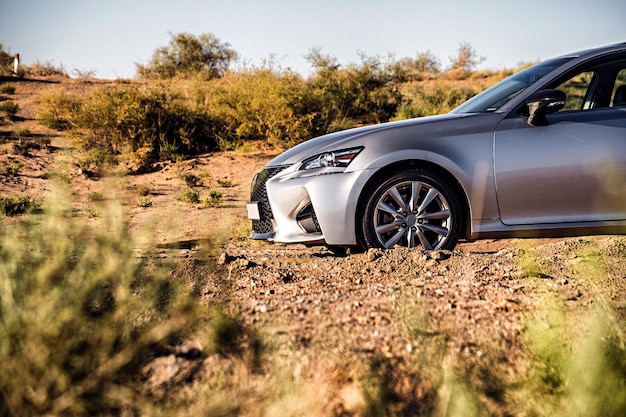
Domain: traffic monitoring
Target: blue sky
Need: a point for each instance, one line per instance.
(110, 36)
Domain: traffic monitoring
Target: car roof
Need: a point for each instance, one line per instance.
(596, 51)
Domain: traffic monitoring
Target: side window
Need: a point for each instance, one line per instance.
(619, 91)
(600, 84)
(577, 91)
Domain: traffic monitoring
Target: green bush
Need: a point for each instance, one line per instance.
(466, 60)
(424, 65)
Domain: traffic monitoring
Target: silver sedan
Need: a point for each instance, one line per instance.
(542, 153)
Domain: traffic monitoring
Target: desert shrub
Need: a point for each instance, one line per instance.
(12, 168)
(224, 182)
(191, 180)
(6, 60)
(426, 100)
(171, 118)
(189, 56)
(14, 206)
(259, 105)
(170, 151)
(188, 196)
(95, 196)
(145, 201)
(84, 73)
(10, 108)
(142, 191)
(22, 132)
(43, 69)
(365, 93)
(141, 123)
(144, 196)
(464, 62)
(214, 199)
(424, 65)
(57, 109)
(7, 88)
(97, 160)
(112, 120)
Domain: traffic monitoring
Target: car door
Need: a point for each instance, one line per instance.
(573, 169)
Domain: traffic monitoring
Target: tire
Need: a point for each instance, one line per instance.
(432, 219)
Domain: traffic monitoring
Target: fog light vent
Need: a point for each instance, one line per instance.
(307, 220)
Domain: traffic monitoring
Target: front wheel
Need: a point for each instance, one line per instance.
(412, 208)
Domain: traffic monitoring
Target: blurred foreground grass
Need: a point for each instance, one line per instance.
(82, 319)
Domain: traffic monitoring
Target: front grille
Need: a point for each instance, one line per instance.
(259, 193)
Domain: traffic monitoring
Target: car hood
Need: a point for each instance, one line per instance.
(334, 141)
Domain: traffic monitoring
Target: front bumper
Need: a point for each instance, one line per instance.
(291, 206)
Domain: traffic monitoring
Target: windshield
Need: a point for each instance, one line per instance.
(496, 96)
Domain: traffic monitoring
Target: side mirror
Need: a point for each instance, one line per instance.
(544, 102)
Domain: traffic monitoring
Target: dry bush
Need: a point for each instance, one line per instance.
(58, 109)
(172, 118)
(144, 125)
(9, 108)
(43, 69)
(441, 97)
(7, 88)
(189, 56)
(363, 93)
(258, 105)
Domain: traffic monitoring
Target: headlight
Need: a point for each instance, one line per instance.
(336, 159)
